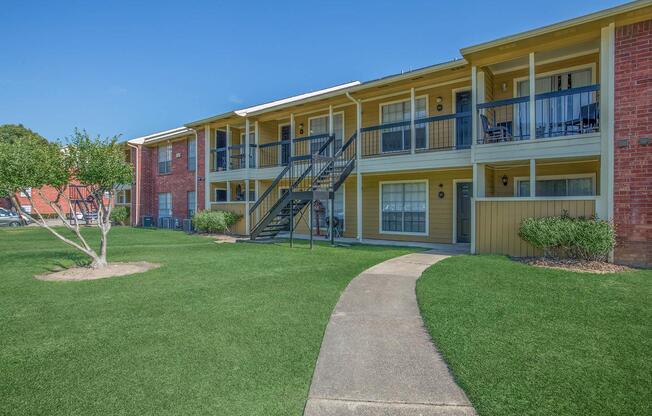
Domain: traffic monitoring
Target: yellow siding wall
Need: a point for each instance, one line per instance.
(497, 222)
(440, 215)
(495, 187)
(238, 208)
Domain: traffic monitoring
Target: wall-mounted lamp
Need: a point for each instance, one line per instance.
(300, 128)
(504, 179)
(439, 100)
(503, 87)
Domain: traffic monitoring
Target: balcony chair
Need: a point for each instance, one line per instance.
(586, 123)
(493, 134)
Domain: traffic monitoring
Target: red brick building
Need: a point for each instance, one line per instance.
(633, 143)
(166, 174)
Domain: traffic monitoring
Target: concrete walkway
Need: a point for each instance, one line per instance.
(376, 357)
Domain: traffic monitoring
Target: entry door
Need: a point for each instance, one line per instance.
(463, 125)
(463, 225)
(285, 147)
(220, 150)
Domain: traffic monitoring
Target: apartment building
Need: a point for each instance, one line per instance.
(556, 119)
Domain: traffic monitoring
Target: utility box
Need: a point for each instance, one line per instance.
(187, 226)
(147, 221)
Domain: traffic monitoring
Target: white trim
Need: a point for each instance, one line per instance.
(591, 66)
(380, 208)
(225, 189)
(552, 177)
(455, 182)
(425, 87)
(412, 111)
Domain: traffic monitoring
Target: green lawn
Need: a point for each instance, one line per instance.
(230, 329)
(530, 341)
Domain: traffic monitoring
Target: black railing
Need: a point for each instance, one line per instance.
(274, 154)
(504, 120)
(447, 132)
(237, 156)
(218, 159)
(568, 112)
(559, 113)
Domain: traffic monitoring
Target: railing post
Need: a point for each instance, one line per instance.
(413, 112)
(533, 106)
(257, 142)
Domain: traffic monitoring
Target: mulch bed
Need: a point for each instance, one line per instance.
(87, 273)
(572, 265)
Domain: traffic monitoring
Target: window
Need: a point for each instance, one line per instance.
(403, 207)
(123, 197)
(191, 203)
(164, 205)
(28, 192)
(220, 195)
(395, 139)
(571, 186)
(192, 154)
(322, 212)
(319, 125)
(165, 158)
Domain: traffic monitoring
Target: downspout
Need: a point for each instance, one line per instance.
(197, 169)
(137, 169)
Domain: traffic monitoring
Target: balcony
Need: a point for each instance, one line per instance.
(570, 112)
(446, 132)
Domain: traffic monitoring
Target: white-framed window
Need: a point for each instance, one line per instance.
(191, 203)
(319, 125)
(28, 192)
(404, 207)
(397, 139)
(26, 208)
(555, 186)
(164, 158)
(123, 197)
(164, 204)
(192, 154)
(322, 212)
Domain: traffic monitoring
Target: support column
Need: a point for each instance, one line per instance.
(207, 167)
(257, 142)
(474, 113)
(358, 175)
(605, 209)
(474, 196)
(292, 133)
(246, 145)
(413, 112)
(228, 143)
(533, 178)
(533, 92)
(246, 214)
(228, 191)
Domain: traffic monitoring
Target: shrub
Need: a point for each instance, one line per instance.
(120, 215)
(563, 236)
(215, 221)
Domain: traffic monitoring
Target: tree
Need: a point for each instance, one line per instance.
(12, 132)
(27, 164)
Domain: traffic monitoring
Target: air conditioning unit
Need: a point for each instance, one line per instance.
(147, 221)
(187, 226)
(166, 222)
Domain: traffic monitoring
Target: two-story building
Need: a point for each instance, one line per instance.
(556, 119)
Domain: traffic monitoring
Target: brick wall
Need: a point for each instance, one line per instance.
(178, 182)
(633, 159)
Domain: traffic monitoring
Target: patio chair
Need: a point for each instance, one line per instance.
(586, 123)
(493, 134)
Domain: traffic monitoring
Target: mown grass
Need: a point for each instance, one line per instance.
(229, 329)
(529, 341)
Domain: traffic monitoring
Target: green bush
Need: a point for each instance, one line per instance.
(215, 221)
(120, 215)
(566, 237)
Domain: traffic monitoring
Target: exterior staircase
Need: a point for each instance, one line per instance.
(306, 178)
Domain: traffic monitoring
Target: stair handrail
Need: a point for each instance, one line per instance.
(287, 171)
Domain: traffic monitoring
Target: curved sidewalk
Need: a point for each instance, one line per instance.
(377, 357)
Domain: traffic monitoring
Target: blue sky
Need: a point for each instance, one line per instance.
(137, 67)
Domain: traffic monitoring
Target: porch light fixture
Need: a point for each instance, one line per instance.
(504, 179)
(503, 86)
(439, 100)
